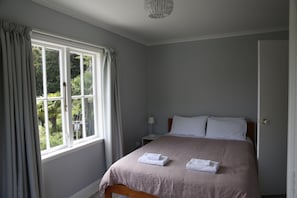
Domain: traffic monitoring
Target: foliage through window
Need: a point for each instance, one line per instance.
(66, 90)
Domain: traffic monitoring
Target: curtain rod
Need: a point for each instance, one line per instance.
(67, 39)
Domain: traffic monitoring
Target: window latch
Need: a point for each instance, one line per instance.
(65, 101)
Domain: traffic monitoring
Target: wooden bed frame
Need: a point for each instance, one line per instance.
(124, 190)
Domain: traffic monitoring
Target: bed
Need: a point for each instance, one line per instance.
(237, 176)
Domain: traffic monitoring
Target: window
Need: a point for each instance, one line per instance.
(67, 87)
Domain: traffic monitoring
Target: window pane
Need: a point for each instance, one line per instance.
(52, 72)
(77, 119)
(75, 74)
(37, 61)
(55, 123)
(51, 60)
(41, 124)
(88, 80)
(89, 117)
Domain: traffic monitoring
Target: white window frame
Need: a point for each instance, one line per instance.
(65, 47)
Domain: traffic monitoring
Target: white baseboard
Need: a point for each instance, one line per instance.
(87, 191)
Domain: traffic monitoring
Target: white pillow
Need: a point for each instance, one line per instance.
(226, 128)
(189, 126)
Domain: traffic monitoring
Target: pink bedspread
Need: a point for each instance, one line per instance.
(237, 176)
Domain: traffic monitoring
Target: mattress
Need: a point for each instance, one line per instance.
(236, 177)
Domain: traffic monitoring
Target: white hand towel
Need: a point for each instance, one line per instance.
(163, 160)
(153, 156)
(201, 162)
(212, 167)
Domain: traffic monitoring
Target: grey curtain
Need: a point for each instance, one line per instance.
(112, 122)
(20, 152)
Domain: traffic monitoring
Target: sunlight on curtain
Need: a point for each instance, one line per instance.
(112, 122)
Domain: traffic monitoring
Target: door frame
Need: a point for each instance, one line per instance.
(292, 110)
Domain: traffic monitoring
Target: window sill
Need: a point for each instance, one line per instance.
(62, 152)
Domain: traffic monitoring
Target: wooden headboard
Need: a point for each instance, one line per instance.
(250, 129)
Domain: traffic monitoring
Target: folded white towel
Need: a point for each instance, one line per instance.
(163, 160)
(153, 156)
(200, 162)
(200, 165)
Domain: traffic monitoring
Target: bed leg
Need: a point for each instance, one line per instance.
(108, 193)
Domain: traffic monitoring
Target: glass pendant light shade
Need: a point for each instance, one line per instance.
(158, 8)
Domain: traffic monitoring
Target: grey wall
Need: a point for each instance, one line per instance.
(71, 172)
(64, 177)
(213, 77)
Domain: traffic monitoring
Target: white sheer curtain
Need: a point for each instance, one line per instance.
(20, 153)
(112, 122)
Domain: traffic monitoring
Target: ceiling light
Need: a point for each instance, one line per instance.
(158, 8)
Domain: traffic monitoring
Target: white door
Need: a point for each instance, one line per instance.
(272, 116)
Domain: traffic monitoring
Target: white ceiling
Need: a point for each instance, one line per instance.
(190, 19)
